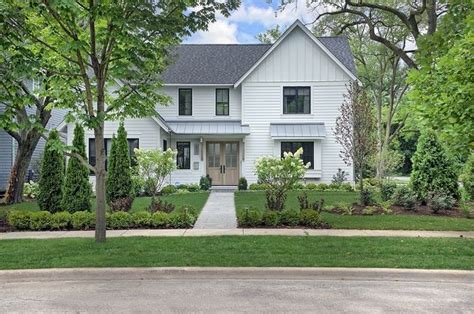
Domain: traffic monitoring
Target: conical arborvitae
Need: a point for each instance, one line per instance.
(77, 189)
(432, 170)
(119, 176)
(51, 175)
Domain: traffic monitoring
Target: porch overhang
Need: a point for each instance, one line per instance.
(297, 131)
(209, 127)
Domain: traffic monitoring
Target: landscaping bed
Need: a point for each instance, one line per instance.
(341, 211)
(183, 213)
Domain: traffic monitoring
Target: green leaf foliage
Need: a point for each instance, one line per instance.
(77, 189)
(442, 90)
(433, 171)
(51, 175)
(467, 177)
(119, 177)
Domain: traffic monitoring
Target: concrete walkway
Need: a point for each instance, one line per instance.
(238, 232)
(219, 212)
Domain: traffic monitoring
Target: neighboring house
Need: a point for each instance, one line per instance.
(232, 104)
(8, 147)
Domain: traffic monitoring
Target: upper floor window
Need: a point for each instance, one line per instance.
(308, 150)
(296, 100)
(222, 102)
(132, 144)
(183, 158)
(185, 96)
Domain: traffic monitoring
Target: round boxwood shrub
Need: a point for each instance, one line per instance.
(60, 220)
(271, 218)
(432, 169)
(169, 189)
(243, 184)
(182, 219)
(119, 220)
(310, 218)
(257, 187)
(160, 219)
(250, 217)
(205, 183)
(40, 220)
(19, 220)
(290, 217)
(439, 201)
(141, 219)
(83, 220)
(51, 175)
(311, 186)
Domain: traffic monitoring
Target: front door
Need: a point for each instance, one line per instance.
(223, 162)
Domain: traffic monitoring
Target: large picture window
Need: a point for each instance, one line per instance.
(308, 150)
(222, 102)
(296, 100)
(183, 158)
(185, 96)
(132, 144)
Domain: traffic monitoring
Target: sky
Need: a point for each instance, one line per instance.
(252, 18)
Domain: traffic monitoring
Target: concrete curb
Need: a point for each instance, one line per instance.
(237, 232)
(249, 273)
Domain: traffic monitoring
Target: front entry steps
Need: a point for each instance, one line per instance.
(224, 188)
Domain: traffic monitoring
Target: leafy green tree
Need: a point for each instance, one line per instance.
(270, 35)
(108, 52)
(433, 171)
(77, 189)
(51, 175)
(443, 88)
(119, 176)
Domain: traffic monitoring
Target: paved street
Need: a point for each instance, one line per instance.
(237, 290)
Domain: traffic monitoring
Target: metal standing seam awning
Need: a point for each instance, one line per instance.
(208, 127)
(297, 130)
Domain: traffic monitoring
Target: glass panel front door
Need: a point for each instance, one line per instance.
(223, 162)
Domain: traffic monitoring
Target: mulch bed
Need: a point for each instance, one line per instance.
(421, 210)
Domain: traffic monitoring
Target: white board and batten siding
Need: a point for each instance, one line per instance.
(297, 61)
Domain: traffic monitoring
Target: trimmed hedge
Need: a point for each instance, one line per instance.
(250, 218)
(83, 220)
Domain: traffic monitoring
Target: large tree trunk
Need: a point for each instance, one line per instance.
(16, 181)
(100, 225)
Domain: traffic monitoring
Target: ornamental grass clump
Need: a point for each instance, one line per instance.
(279, 175)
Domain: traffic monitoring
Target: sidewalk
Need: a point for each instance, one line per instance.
(237, 232)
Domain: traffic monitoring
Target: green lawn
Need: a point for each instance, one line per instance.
(388, 222)
(195, 199)
(259, 251)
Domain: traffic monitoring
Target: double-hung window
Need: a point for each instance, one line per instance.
(183, 158)
(222, 102)
(296, 100)
(308, 150)
(185, 100)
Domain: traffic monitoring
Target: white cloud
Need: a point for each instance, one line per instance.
(220, 32)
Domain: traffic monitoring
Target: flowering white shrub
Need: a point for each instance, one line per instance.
(280, 175)
(154, 165)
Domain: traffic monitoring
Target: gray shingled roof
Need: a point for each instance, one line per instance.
(225, 64)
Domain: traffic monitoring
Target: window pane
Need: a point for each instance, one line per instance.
(185, 102)
(132, 144)
(296, 100)
(92, 152)
(222, 102)
(184, 155)
(231, 154)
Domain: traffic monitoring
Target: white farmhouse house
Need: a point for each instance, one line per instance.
(232, 104)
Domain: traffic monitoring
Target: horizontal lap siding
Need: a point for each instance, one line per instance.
(204, 103)
(5, 158)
